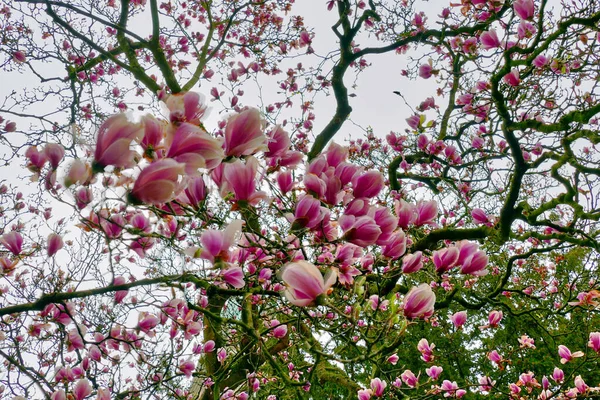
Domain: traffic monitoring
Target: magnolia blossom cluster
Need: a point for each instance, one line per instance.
(336, 229)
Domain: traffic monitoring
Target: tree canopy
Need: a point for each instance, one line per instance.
(194, 203)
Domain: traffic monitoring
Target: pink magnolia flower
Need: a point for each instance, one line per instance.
(409, 378)
(115, 136)
(393, 359)
(419, 302)
(19, 57)
(425, 71)
(54, 152)
(475, 264)
(540, 61)
(216, 244)
(285, 181)
(489, 40)
(524, 8)
(444, 259)
(279, 329)
(103, 394)
(594, 342)
(244, 134)
(154, 132)
(304, 282)
(308, 213)
(565, 354)
(364, 394)
(427, 212)
(221, 355)
(13, 241)
(368, 184)
(58, 395)
(512, 78)
(406, 212)
(209, 346)
(494, 318)
(479, 216)
(74, 339)
(196, 191)
(414, 121)
(495, 357)
(558, 375)
(459, 318)
(412, 263)
(362, 231)
(82, 389)
(186, 107)
(158, 182)
(278, 143)
(148, 322)
(396, 247)
(234, 276)
(434, 372)
(580, 384)
(187, 367)
(426, 350)
(55, 243)
(241, 180)
(526, 342)
(378, 386)
(194, 147)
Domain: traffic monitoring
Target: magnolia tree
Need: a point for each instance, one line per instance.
(161, 253)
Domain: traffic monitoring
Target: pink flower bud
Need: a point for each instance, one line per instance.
(308, 213)
(412, 263)
(280, 330)
(494, 318)
(459, 318)
(419, 302)
(393, 359)
(362, 231)
(55, 243)
(368, 184)
(425, 71)
(285, 181)
(444, 259)
(19, 57)
(475, 264)
(396, 247)
(580, 385)
(209, 346)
